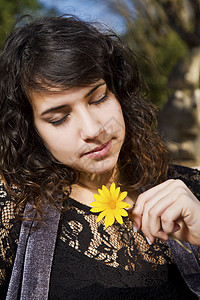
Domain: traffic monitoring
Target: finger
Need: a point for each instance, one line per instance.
(151, 193)
(147, 200)
(168, 220)
(151, 219)
(178, 219)
(174, 214)
(154, 190)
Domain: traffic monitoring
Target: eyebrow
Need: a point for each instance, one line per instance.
(55, 108)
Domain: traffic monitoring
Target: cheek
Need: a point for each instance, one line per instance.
(117, 119)
(113, 111)
(55, 140)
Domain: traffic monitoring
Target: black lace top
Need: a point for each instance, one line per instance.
(95, 262)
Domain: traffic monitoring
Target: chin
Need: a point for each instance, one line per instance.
(102, 168)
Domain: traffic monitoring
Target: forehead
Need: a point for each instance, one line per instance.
(41, 100)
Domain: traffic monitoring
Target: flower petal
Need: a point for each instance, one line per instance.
(123, 205)
(97, 197)
(99, 204)
(112, 190)
(109, 218)
(118, 217)
(101, 192)
(123, 212)
(104, 199)
(110, 205)
(122, 196)
(95, 203)
(102, 215)
(116, 194)
(102, 206)
(96, 209)
(105, 191)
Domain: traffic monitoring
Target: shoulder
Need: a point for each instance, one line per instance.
(190, 176)
(177, 171)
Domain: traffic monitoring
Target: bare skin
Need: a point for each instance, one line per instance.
(84, 128)
(168, 208)
(89, 185)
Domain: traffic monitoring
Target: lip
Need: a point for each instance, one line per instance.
(101, 151)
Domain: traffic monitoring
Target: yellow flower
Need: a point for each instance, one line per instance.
(110, 204)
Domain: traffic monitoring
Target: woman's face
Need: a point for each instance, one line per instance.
(83, 127)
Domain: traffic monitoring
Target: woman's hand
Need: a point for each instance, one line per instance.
(168, 208)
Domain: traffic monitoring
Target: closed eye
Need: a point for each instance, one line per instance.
(103, 99)
(66, 117)
(61, 121)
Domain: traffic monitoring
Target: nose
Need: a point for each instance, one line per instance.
(90, 128)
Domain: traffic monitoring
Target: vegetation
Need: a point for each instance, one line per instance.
(10, 10)
(161, 32)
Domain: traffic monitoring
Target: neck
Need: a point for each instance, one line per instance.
(95, 181)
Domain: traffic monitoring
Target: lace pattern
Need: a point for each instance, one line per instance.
(9, 231)
(117, 247)
(104, 244)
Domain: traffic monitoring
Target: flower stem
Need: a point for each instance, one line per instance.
(179, 242)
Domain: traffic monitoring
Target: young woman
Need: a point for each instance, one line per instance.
(74, 120)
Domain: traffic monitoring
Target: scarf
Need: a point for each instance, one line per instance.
(32, 267)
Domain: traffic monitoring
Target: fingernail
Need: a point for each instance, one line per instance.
(148, 240)
(134, 227)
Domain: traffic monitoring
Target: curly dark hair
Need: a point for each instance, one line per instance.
(66, 52)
